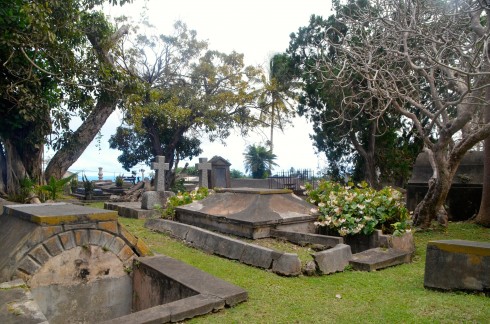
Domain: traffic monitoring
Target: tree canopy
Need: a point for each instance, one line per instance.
(372, 147)
(186, 92)
(424, 60)
(259, 161)
(56, 63)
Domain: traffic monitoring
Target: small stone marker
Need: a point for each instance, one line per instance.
(160, 167)
(203, 166)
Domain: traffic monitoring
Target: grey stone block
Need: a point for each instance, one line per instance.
(193, 306)
(175, 229)
(258, 256)
(288, 264)
(334, 259)
(230, 248)
(151, 198)
(379, 258)
(457, 265)
(67, 240)
(29, 266)
(105, 239)
(53, 245)
(198, 238)
(40, 254)
(295, 237)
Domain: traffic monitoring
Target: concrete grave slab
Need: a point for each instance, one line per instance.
(246, 212)
(379, 258)
(457, 265)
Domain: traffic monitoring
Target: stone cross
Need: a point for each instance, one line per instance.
(203, 166)
(160, 167)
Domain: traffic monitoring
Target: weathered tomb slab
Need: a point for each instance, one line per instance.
(168, 290)
(457, 265)
(247, 212)
(379, 258)
(17, 304)
(131, 210)
(307, 238)
(279, 262)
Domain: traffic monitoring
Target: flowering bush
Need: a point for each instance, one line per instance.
(357, 209)
(184, 198)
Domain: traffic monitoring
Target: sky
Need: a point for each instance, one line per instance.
(256, 28)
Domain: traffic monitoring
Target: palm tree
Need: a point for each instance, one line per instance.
(273, 100)
(259, 161)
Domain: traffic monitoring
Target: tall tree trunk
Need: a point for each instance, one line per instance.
(82, 137)
(483, 217)
(3, 171)
(15, 170)
(368, 156)
(106, 104)
(432, 206)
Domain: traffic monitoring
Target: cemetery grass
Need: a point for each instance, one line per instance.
(393, 295)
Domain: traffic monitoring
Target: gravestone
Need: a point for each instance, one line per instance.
(203, 166)
(150, 199)
(463, 198)
(220, 172)
(160, 167)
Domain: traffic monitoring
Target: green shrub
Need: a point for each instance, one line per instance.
(184, 198)
(359, 209)
(119, 181)
(55, 187)
(88, 186)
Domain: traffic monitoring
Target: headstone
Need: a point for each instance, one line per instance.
(101, 175)
(160, 167)
(464, 197)
(220, 172)
(203, 166)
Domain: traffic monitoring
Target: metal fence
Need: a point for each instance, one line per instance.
(294, 180)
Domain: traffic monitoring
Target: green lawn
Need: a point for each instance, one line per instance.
(387, 296)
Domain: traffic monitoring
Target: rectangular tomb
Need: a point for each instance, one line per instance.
(458, 265)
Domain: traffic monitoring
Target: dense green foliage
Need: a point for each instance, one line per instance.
(55, 187)
(184, 198)
(359, 209)
(55, 65)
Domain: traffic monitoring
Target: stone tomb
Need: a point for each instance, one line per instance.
(463, 198)
(276, 213)
(78, 264)
(220, 173)
(458, 265)
(248, 212)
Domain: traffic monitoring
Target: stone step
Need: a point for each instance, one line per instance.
(379, 258)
